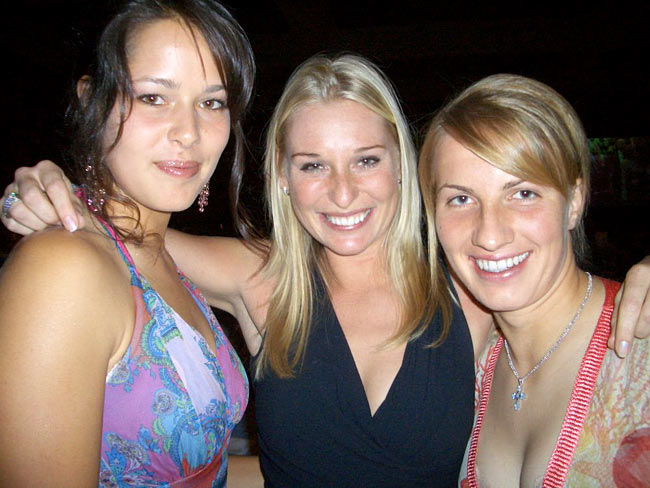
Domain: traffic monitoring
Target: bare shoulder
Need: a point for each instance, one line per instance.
(57, 247)
(65, 309)
(52, 274)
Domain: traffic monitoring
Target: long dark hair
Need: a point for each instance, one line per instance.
(108, 83)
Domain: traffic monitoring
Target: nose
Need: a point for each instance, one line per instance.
(343, 188)
(493, 228)
(184, 127)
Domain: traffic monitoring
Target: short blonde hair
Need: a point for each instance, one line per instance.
(295, 255)
(520, 126)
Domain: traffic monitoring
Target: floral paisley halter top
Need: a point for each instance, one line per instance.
(170, 403)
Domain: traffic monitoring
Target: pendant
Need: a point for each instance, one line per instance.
(518, 395)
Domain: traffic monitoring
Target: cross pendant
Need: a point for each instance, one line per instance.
(518, 396)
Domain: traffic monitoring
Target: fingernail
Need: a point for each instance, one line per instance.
(623, 347)
(70, 224)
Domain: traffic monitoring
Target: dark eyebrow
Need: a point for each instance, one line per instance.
(158, 81)
(172, 85)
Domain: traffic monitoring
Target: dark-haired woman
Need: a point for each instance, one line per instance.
(114, 370)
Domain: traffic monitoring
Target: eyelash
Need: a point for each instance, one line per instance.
(369, 161)
(219, 104)
(455, 203)
(153, 99)
(311, 166)
(149, 99)
(518, 195)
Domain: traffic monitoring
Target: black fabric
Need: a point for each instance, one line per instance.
(315, 430)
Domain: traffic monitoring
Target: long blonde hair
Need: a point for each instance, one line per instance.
(295, 255)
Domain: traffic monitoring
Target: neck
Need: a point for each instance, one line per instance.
(357, 273)
(150, 224)
(532, 331)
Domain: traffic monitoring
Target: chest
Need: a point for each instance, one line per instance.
(516, 445)
(421, 427)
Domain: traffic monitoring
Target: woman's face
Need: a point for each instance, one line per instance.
(179, 122)
(506, 239)
(342, 169)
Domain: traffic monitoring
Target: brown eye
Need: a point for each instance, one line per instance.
(151, 99)
(213, 104)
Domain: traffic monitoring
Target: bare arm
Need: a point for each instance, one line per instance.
(55, 347)
(223, 269)
(227, 273)
(244, 472)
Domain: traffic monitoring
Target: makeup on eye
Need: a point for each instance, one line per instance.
(369, 161)
(364, 162)
(307, 167)
(151, 99)
(214, 104)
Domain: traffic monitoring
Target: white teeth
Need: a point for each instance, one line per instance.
(500, 265)
(348, 221)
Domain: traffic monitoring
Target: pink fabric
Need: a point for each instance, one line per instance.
(605, 436)
(170, 403)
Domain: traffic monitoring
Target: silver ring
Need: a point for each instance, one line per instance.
(9, 201)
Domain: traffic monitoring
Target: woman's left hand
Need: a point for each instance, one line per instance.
(631, 316)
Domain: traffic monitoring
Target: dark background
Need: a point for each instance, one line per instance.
(596, 56)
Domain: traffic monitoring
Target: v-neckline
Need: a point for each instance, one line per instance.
(360, 398)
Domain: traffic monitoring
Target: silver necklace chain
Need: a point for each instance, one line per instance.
(519, 395)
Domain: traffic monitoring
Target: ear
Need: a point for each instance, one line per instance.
(576, 204)
(282, 176)
(82, 87)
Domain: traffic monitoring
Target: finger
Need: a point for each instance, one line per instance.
(630, 308)
(642, 329)
(59, 190)
(32, 195)
(22, 220)
(17, 228)
(47, 193)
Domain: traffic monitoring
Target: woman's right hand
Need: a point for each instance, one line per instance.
(45, 199)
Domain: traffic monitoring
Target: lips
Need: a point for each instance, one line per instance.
(348, 220)
(501, 265)
(179, 168)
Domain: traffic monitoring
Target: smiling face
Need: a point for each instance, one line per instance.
(178, 125)
(341, 169)
(506, 239)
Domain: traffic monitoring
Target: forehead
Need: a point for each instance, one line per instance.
(338, 123)
(453, 162)
(170, 43)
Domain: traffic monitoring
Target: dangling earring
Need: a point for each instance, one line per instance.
(285, 190)
(94, 193)
(203, 197)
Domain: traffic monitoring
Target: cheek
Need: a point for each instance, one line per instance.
(217, 134)
(304, 193)
(546, 224)
(453, 230)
